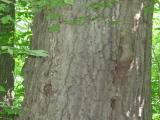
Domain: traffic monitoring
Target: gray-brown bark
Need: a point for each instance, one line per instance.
(96, 71)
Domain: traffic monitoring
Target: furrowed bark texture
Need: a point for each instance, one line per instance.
(6, 60)
(95, 71)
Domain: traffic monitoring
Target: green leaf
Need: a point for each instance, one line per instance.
(56, 3)
(77, 21)
(2, 89)
(6, 19)
(4, 47)
(6, 1)
(54, 28)
(10, 51)
(101, 5)
(148, 9)
(38, 53)
(53, 16)
(3, 7)
(69, 2)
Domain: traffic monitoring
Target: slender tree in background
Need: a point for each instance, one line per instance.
(99, 70)
(7, 28)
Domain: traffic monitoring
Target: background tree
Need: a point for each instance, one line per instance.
(99, 62)
(7, 28)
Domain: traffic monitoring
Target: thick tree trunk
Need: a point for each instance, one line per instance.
(6, 60)
(96, 71)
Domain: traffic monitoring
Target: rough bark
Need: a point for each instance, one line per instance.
(96, 71)
(6, 60)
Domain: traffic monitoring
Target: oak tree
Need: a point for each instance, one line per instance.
(99, 61)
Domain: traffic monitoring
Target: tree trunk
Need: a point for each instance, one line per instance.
(6, 60)
(95, 71)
